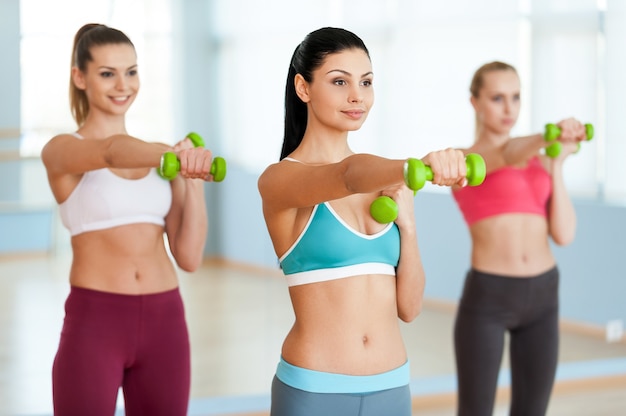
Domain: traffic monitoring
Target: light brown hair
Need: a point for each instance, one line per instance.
(88, 36)
(479, 76)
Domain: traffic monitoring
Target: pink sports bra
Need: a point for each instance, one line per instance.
(104, 200)
(507, 190)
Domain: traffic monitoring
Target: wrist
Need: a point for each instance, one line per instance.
(407, 229)
(194, 184)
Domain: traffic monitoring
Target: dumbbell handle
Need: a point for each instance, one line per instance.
(385, 210)
(552, 133)
(170, 165)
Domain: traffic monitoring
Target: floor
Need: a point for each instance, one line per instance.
(238, 317)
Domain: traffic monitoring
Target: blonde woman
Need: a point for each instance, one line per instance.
(124, 324)
(512, 285)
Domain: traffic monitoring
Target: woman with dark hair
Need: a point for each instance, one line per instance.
(124, 318)
(350, 278)
(512, 285)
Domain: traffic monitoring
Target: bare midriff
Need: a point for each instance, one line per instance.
(514, 245)
(129, 259)
(346, 326)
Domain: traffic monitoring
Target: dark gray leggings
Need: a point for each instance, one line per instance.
(289, 401)
(528, 309)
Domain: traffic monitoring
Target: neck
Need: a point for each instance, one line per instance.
(485, 136)
(102, 126)
(323, 146)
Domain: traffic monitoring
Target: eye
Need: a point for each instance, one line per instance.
(106, 74)
(339, 82)
(133, 72)
(366, 83)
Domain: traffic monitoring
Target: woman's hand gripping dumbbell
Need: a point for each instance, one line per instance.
(385, 210)
(553, 132)
(170, 164)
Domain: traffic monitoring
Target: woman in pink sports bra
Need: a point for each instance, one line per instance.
(344, 354)
(124, 324)
(512, 285)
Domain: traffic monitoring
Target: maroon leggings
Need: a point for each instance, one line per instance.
(138, 342)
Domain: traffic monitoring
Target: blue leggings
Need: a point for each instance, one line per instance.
(108, 341)
(528, 309)
(287, 400)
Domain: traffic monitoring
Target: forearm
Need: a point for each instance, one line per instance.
(123, 151)
(410, 278)
(562, 215)
(363, 173)
(188, 223)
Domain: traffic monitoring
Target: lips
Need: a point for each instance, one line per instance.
(120, 100)
(354, 114)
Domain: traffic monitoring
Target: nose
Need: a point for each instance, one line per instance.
(356, 96)
(120, 83)
(507, 106)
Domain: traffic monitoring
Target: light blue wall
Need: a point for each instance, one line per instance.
(10, 68)
(25, 230)
(10, 90)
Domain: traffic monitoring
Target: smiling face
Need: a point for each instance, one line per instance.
(341, 94)
(111, 80)
(497, 103)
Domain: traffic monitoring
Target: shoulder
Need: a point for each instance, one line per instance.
(58, 141)
(272, 174)
(64, 137)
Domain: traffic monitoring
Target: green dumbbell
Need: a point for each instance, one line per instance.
(553, 132)
(385, 210)
(170, 165)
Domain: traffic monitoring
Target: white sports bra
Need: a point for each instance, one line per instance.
(104, 200)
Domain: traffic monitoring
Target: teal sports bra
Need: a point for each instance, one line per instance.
(329, 249)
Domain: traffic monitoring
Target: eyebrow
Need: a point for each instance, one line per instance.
(347, 73)
(113, 69)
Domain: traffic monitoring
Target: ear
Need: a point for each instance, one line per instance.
(78, 78)
(302, 88)
(473, 102)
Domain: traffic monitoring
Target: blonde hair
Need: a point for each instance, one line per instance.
(88, 36)
(478, 80)
(479, 76)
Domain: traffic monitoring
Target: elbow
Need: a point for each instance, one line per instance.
(108, 151)
(348, 175)
(188, 269)
(188, 261)
(189, 265)
(564, 237)
(408, 315)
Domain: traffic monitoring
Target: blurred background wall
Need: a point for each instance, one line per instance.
(218, 67)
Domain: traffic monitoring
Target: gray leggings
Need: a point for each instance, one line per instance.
(289, 401)
(528, 309)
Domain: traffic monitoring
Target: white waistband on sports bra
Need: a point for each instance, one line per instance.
(323, 275)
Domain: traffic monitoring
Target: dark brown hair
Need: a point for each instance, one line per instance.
(308, 56)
